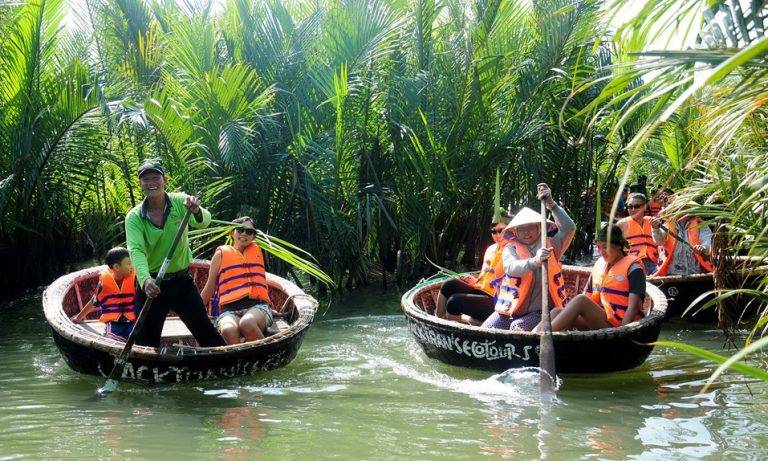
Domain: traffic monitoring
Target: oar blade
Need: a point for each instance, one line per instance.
(109, 386)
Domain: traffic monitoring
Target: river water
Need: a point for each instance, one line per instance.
(361, 388)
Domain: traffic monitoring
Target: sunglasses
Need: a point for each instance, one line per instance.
(634, 207)
(246, 230)
(496, 231)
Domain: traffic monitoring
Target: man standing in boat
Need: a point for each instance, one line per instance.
(150, 228)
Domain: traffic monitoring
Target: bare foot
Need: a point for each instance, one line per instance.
(470, 321)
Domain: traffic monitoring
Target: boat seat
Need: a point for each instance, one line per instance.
(174, 328)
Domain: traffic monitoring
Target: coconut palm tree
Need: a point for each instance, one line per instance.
(366, 131)
(703, 110)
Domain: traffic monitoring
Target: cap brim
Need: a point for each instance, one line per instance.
(147, 170)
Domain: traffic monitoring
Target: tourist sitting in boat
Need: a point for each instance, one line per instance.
(115, 295)
(518, 304)
(690, 257)
(638, 232)
(237, 285)
(615, 292)
(473, 297)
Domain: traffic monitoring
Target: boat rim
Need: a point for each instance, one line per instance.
(54, 294)
(656, 316)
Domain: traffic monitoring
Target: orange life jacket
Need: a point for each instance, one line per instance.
(610, 288)
(492, 272)
(514, 291)
(692, 228)
(241, 275)
(114, 301)
(640, 239)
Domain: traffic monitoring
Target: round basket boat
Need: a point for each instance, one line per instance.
(682, 291)
(85, 349)
(599, 351)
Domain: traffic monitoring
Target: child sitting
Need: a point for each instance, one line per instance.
(114, 297)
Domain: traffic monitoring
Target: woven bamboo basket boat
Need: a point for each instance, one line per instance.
(178, 359)
(599, 351)
(682, 290)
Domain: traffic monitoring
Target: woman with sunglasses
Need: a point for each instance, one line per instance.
(474, 296)
(237, 284)
(638, 231)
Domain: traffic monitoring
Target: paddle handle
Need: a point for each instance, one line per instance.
(546, 344)
(122, 359)
(675, 236)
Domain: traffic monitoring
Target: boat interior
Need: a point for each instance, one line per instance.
(575, 281)
(174, 330)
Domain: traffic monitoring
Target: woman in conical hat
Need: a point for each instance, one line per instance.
(471, 299)
(518, 303)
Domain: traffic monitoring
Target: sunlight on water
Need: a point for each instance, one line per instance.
(362, 388)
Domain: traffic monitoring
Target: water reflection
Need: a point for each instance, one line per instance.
(241, 432)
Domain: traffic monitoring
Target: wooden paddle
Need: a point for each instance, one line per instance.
(122, 359)
(546, 345)
(675, 236)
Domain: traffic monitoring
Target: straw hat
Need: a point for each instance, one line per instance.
(523, 217)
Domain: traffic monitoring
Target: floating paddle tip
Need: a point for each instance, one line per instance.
(109, 386)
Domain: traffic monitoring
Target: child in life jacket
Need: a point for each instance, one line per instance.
(115, 295)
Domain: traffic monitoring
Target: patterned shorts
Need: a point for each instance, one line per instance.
(238, 314)
(526, 322)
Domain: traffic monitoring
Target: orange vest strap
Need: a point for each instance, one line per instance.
(514, 291)
(640, 239)
(610, 287)
(113, 301)
(241, 275)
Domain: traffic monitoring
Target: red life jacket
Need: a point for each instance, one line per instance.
(610, 288)
(692, 230)
(514, 291)
(241, 275)
(640, 239)
(492, 272)
(114, 301)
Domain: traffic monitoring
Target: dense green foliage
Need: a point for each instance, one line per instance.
(365, 131)
(703, 131)
(369, 131)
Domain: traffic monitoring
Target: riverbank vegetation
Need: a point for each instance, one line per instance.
(368, 132)
(365, 131)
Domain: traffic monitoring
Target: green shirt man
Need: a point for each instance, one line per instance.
(149, 244)
(150, 228)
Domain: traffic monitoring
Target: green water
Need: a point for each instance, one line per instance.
(361, 388)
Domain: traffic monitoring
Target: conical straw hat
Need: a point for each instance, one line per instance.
(523, 217)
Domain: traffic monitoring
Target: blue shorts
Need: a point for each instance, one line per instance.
(119, 330)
